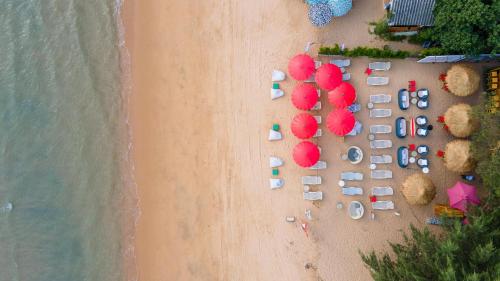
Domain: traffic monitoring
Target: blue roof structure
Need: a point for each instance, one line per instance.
(320, 14)
(412, 13)
(340, 7)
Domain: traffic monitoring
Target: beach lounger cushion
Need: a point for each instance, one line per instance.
(377, 81)
(380, 113)
(381, 174)
(380, 98)
(381, 159)
(380, 129)
(311, 180)
(380, 144)
(351, 176)
(382, 66)
(382, 191)
(278, 76)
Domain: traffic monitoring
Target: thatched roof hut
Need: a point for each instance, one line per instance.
(460, 121)
(458, 156)
(418, 189)
(462, 80)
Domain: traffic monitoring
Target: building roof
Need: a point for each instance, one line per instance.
(412, 13)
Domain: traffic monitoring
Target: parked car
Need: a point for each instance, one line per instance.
(401, 131)
(403, 156)
(421, 120)
(423, 150)
(403, 99)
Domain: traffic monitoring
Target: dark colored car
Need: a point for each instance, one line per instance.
(403, 156)
(401, 131)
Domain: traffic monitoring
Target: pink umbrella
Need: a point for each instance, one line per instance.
(340, 122)
(306, 154)
(461, 194)
(301, 67)
(328, 76)
(304, 126)
(342, 96)
(304, 96)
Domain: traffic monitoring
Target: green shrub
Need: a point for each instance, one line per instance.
(432, 52)
(360, 51)
(381, 29)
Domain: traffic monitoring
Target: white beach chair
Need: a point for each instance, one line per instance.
(380, 144)
(320, 165)
(317, 106)
(381, 159)
(351, 176)
(380, 98)
(318, 134)
(341, 63)
(346, 76)
(318, 119)
(358, 127)
(278, 76)
(381, 174)
(379, 65)
(275, 162)
(382, 191)
(276, 93)
(317, 64)
(377, 81)
(313, 195)
(352, 191)
(380, 113)
(342, 69)
(274, 135)
(383, 205)
(380, 129)
(311, 79)
(276, 183)
(311, 180)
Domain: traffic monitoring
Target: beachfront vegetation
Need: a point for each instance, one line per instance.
(463, 251)
(386, 52)
(381, 30)
(486, 146)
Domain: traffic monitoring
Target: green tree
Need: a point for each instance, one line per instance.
(467, 26)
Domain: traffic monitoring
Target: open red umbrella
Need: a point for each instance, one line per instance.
(306, 154)
(340, 121)
(304, 96)
(328, 76)
(304, 125)
(342, 96)
(301, 67)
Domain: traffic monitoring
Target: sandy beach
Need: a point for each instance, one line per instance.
(200, 115)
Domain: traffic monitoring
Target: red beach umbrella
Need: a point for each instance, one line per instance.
(304, 96)
(304, 125)
(328, 76)
(306, 154)
(342, 96)
(340, 121)
(301, 67)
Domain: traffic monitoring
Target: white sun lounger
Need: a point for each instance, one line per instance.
(358, 127)
(317, 106)
(311, 79)
(381, 159)
(278, 76)
(321, 165)
(318, 134)
(346, 76)
(318, 119)
(380, 129)
(379, 65)
(275, 162)
(274, 136)
(311, 180)
(380, 144)
(342, 69)
(276, 93)
(351, 176)
(352, 191)
(341, 63)
(380, 98)
(380, 113)
(317, 64)
(381, 174)
(313, 195)
(377, 81)
(383, 205)
(276, 183)
(382, 191)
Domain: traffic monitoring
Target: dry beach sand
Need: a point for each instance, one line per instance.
(201, 112)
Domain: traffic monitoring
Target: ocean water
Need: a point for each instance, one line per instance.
(63, 143)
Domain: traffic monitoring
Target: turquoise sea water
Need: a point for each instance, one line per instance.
(63, 142)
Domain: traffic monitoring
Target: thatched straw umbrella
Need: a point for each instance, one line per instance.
(462, 80)
(418, 189)
(458, 156)
(460, 121)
